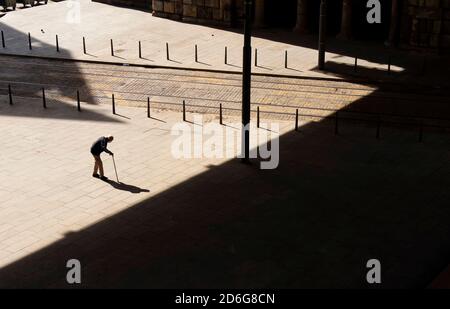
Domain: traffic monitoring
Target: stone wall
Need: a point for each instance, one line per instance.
(142, 4)
(426, 24)
(213, 12)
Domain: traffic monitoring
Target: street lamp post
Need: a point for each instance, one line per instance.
(246, 81)
(322, 33)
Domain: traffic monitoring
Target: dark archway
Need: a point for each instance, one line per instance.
(280, 14)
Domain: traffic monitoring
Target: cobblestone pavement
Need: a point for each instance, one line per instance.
(204, 91)
(333, 203)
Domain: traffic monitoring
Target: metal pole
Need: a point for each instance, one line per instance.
(356, 64)
(226, 55)
(84, 45)
(44, 102)
(246, 80)
(167, 51)
(57, 44)
(256, 57)
(113, 104)
(3, 40)
(296, 119)
(286, 59)
(148, 107)
(140, 50)
(220, 114)
(184, 110)
(257, 117)
(10, 95)
(112, 48)
(78, 101)
(196, 53)
(322, 33)
(29, 41)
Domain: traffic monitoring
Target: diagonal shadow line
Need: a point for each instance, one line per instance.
(119, 115)
(160, 120)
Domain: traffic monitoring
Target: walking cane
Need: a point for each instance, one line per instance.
(115, 169)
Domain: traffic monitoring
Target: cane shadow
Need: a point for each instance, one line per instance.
(126, 187)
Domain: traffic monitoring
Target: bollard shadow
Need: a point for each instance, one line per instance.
(204, 63)
(174, 61)
(160, 120)
(122, 116)
(126, 187)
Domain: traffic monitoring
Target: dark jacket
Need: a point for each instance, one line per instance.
(99, 146)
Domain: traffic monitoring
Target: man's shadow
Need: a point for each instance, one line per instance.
(124, 187)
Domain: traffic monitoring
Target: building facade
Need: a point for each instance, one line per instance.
(415, 24)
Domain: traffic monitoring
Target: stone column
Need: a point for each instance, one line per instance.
(300, 26)
(346, 22)
(259, 14)
(394, 23)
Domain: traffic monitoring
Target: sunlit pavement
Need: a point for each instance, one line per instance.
(99, 23)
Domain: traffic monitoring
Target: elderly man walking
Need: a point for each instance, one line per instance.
(97, 148)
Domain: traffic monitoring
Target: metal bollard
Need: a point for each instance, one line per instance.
(196, 53)
(10, 95)
(286, 59)
(226, 55)
(256, 57)
(296, 120)
(167, 51)
(356, 64)
(220, 114)
(113, 105)
(78, 101)
(84, 45)
(112, 48)
(148, 107)
(140, 50)
(257, 116)
(3, 40)
(184, 110)
(44, 101)
(29, 41)
(57, 44)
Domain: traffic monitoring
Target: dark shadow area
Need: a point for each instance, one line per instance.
(333, 203)
(125, 187)
(61, 92)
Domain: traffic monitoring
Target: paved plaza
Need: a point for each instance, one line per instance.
(99, 23)
(333, 203)
(365, 176)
